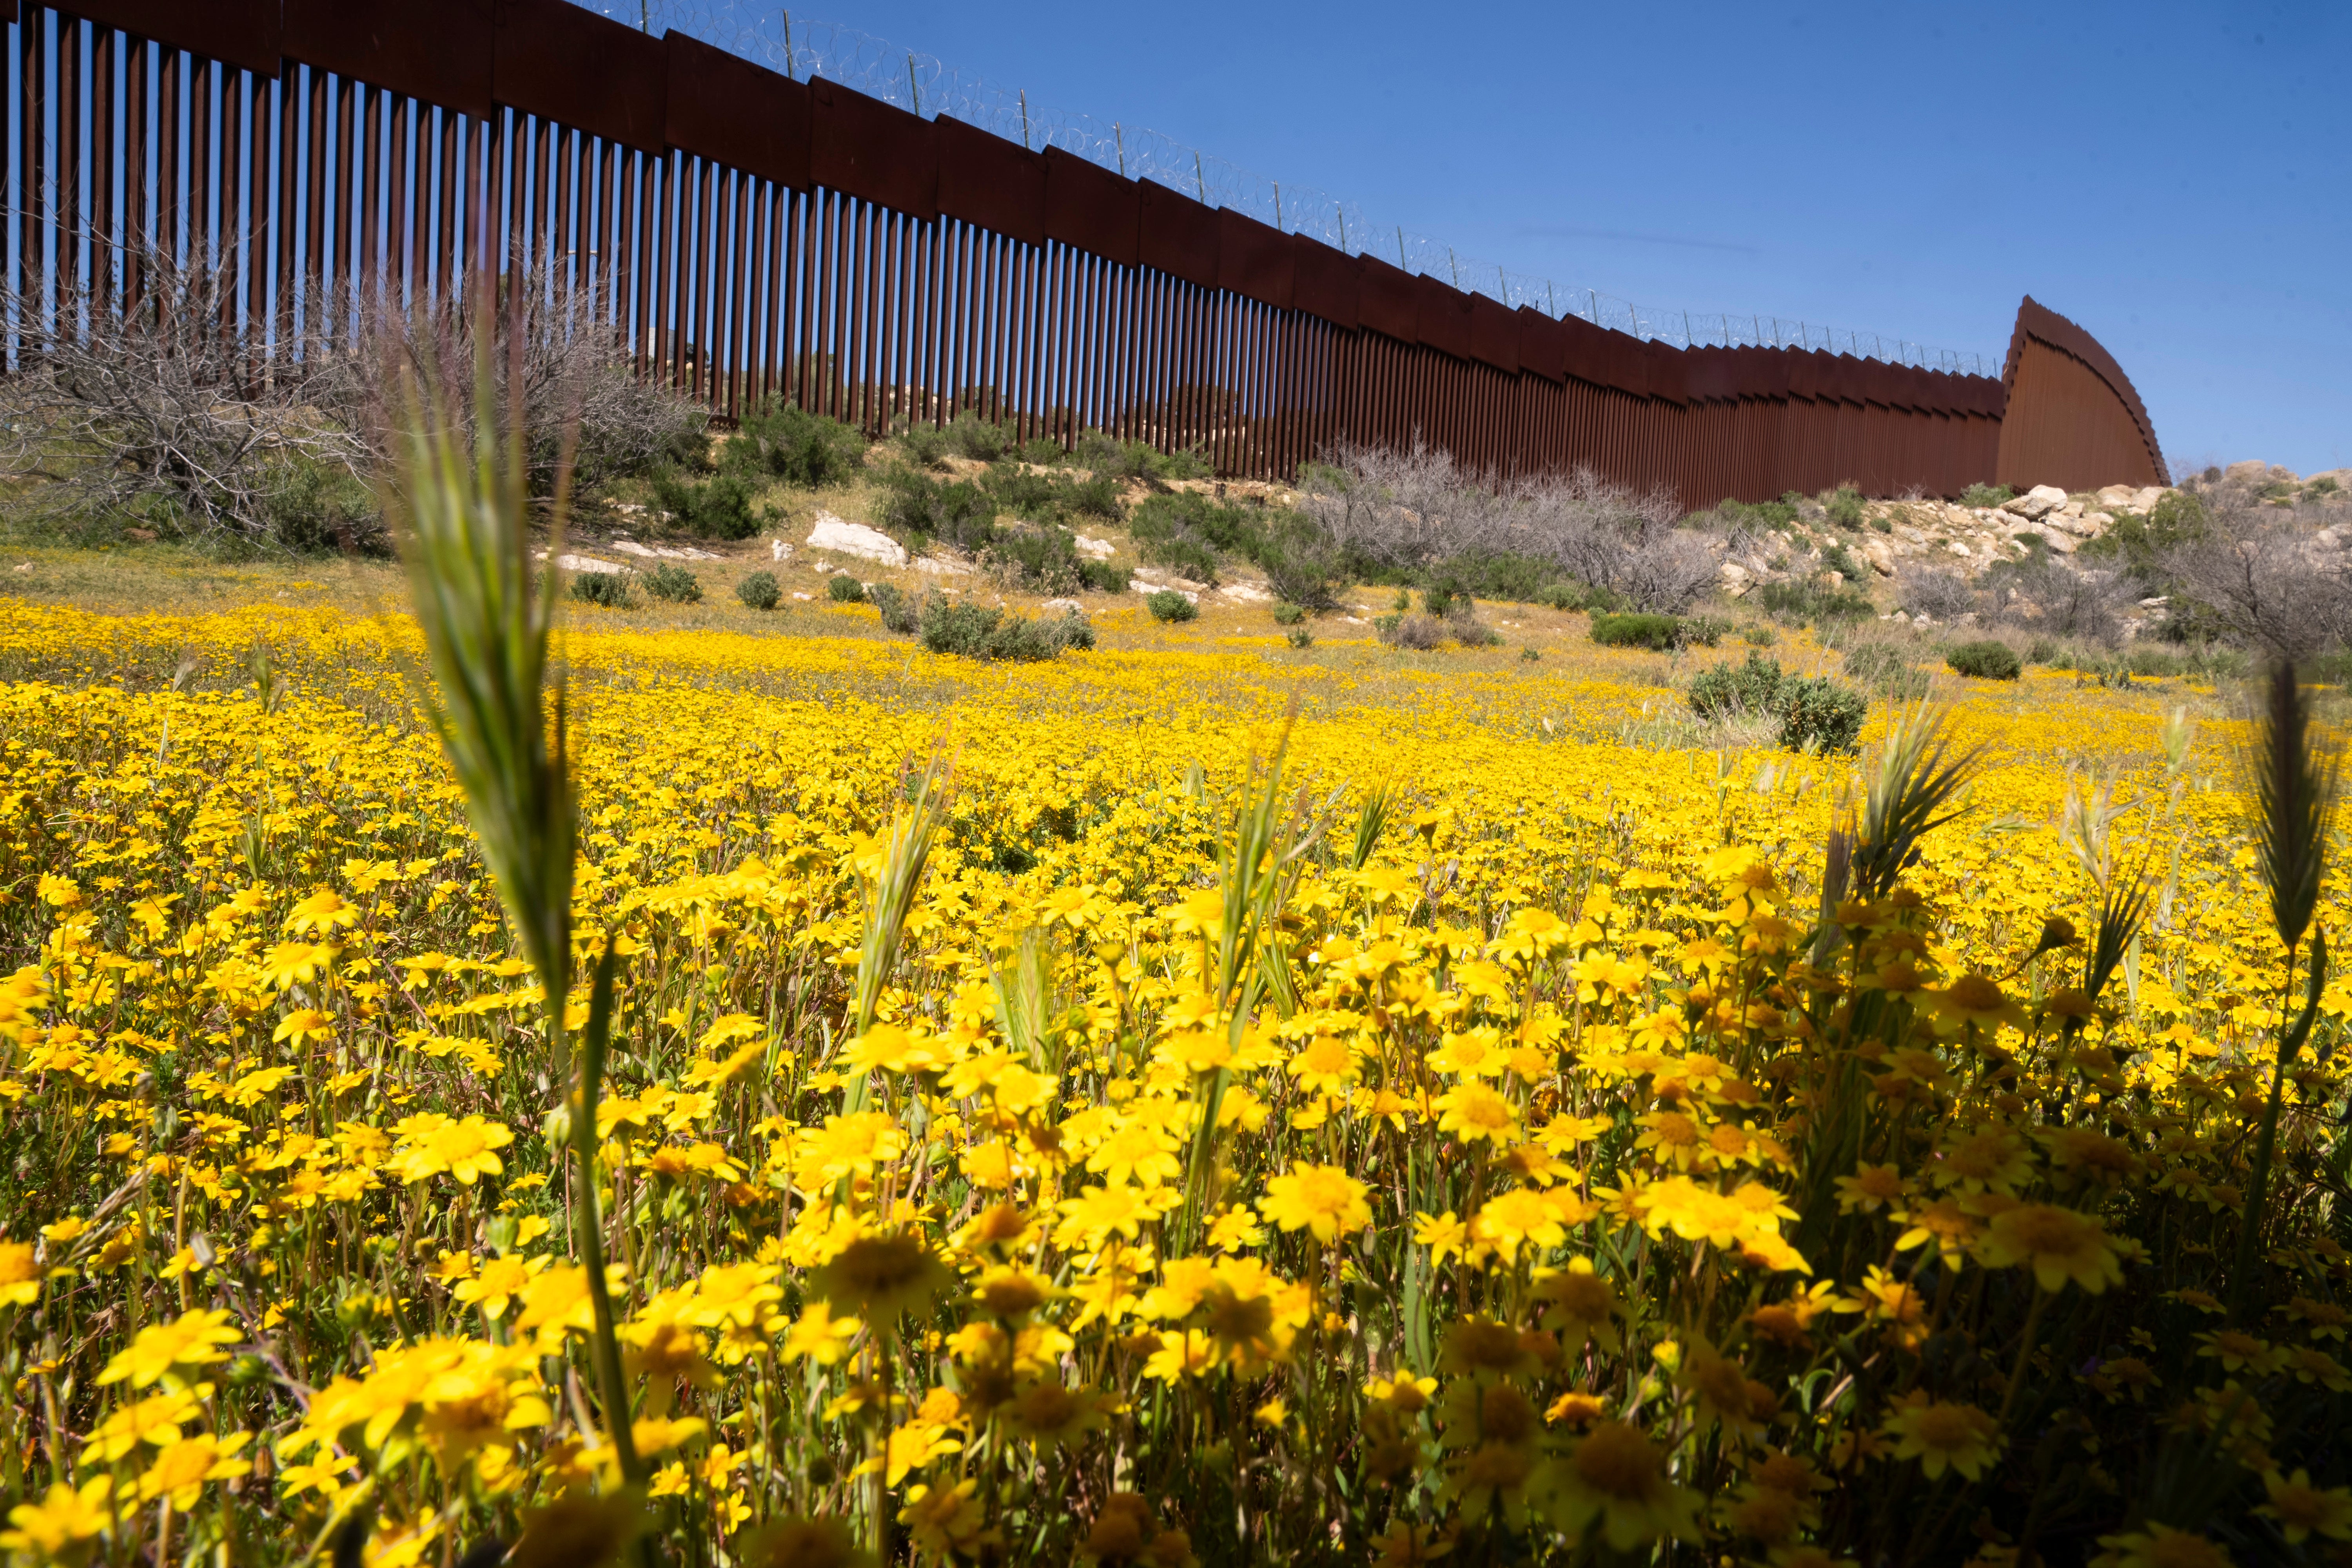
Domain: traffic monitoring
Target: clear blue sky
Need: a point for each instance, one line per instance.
(2176, 178)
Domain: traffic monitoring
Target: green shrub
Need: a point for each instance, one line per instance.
(976, 631)
(719, 507)
(1662, 632)
(1301, 638)
(307, 504)
(2333, 667)
(1813, 599)
(2325, 485)
(1288, 615)
(1844, 506)
(1815, 714)
(759, 592)
(780, 441)
(843, 589)
(1759, 636)
(1986, 660)
(1447, 597)
(1103, 577)
(1529, 655)
(1188, 532)
(1704, 631)
(1728, 690)
(917, 509)
(1839, 559)
(1981, 496)
(1167, 604)
(1820, 717)
(1756, 516)
(609, 589)
(2044, 651)
(899, 614)
(674, 584)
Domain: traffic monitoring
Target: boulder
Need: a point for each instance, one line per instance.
(2253, 469)
(940, 566)
(779, 551)
(1065, 608)
(2082, 526)
(2060, 539)
(663, 551)
(2117, 497)
(1095, 549)
(1881, 557)
(2144, 500)
(589, 564)
(2036, 504)
(1734, 579)
(1248, 593)
(855, 539)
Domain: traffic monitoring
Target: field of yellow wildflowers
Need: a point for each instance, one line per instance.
(1182, 1103)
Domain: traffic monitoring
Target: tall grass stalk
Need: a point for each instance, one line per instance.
(2294, 776)
(460, 509)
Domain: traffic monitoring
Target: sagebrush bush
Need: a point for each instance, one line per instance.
(1662, 632)
(1288, 615)
(760, 591)
(1301, 638)
(1414, 633)
(899, 614)
(608, 589)
(843, 589)
(673, 583)
(978, 631)
(1983, 496)
(1813, 714)
(1985, 660)
(1845, 507)
(715, 507)
(1882, 668)
(1167, 604)
(782, 441)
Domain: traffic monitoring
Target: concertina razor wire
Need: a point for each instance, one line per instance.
(803, 49)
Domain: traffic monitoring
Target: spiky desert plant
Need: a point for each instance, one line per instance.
(459, 508)
(1919, 774)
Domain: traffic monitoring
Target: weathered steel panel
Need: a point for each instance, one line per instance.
(438, 51)
(244, 32)
(1543, 345)
(1494, 335)
(1090, 208)
(874, 151)
(1388, 301)
(986, 180)
(1444, 317)
(740, 114)
(1177, 235)
(1328, 282)
(1669, 373)
(1255, 260)
(576, 68)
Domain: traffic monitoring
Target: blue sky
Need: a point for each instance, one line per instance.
(2176, 178)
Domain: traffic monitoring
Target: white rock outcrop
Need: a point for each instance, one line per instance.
(1064, 607)
(589, 564)
(1096, 548)
(855, 539)
(663, 551)
(2036, 504)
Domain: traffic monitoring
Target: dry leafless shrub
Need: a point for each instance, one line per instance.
(2056, 596)
(169, 410)
(1414, 508)
(2274, 577)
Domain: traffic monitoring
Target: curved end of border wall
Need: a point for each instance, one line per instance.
(2071, 417)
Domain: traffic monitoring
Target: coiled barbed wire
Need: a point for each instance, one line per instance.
(803, 48)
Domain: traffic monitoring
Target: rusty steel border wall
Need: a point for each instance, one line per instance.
(748, 235)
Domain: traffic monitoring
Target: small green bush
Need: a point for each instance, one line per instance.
(1288, 615)
(1844, 506)
(1529, 655)
(1760, 637)
(1662, 632)
(1103, 577)
(899, 614)
(1986, 660)
(760, 591)
(1725, 691)
(1167, 604)
(1819, 717)
(1813, 599)
(719, 507)
(976, 631)
(674, 584)
(1839, 559)
(1816, 715)
(1301, 638)
(609, 589)
(1982, 496)
(843, 589)
(780, 441)
(2325, 485)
